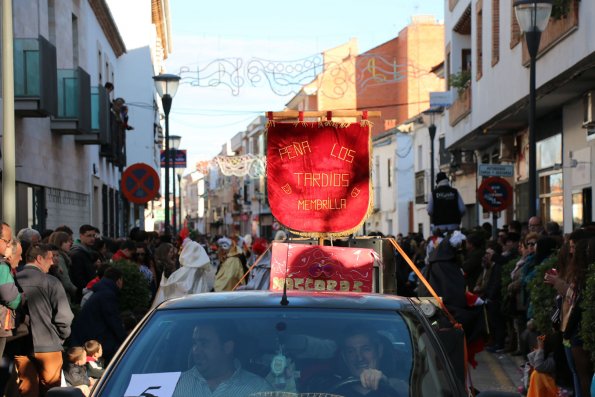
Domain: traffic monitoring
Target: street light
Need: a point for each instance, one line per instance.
(533, 16)
(174, 144)
(166, 86)
(428, 117)
(179, 175)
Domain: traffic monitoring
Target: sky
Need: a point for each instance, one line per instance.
(210, 38)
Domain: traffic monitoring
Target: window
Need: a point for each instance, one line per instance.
(515, 29)
(442, 152)
(479, 44)
(52, 21)
(420, 187)
(466, 59)
(577, 210)
(495, 31)
(99, 68)
(551, 197)
(389, 173)
(549, 152)
(75, 41)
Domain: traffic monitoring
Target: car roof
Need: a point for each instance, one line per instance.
(297, 299)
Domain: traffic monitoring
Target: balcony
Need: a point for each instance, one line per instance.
(556, 31)
(35, 78)
(99, 118)
(74, 102)
(461, 107)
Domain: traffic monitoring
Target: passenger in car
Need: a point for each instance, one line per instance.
(216, 370)
(369, 366)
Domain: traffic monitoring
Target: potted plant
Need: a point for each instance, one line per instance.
(460, 81)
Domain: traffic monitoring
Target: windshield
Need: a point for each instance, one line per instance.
(280, 352)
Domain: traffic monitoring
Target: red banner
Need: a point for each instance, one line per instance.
(322, 268)
(318, 176)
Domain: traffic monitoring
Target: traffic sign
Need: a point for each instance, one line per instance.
(496, 170)
(494, 194)
(140, 183)
(177, 158)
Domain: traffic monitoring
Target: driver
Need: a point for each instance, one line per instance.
(216, 371)
(369, 365)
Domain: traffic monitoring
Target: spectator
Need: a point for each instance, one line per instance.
(126, 251)
(9, 293)
(259, 277)
(100, 318)
(535, 225)
(39, 362)
(472, 263)
(64, 243)
(94, 351)
(75, 371)
(83, 262)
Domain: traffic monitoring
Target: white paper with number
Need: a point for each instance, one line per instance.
(159, 385)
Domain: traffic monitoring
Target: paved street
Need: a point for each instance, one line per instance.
(499, 372)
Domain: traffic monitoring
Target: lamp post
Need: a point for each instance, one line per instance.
(166, 86)
(430, 114)
(179, 175)
(533, 16)
(174, 144)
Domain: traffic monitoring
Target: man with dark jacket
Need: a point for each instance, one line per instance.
(100, 318)
(39, 363)
(83, 263)
(445, 205)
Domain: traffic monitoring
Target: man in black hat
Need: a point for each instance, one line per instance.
(445, 206)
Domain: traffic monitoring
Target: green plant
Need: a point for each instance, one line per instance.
(588, 312)
(561, 8)
(460, 80)
(542, 296)
(135, 295)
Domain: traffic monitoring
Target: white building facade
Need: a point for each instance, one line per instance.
(69, 159)
(490, 116)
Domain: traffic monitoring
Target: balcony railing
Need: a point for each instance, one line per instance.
(74, 102)
(99, 118)
(556, 31)
(35, 77)
(461, 107)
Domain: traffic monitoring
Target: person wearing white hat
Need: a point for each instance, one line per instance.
(231, 270)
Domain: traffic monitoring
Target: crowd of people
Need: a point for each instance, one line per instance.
(59, 293)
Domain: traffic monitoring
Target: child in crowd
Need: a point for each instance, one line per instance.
(75, 371)
(542, 382)
(94, 361)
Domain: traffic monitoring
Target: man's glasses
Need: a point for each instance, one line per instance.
(530, 244)
(5, 240)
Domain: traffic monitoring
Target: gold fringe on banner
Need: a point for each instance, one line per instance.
(289, 115)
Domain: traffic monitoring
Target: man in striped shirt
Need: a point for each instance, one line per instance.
(216, 371)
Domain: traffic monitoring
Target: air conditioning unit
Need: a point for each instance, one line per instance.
(589, 110)
(507, 148)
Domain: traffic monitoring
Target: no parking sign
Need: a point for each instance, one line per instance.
(494, 194)
(140, 183)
